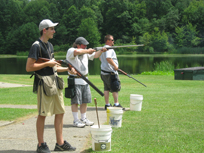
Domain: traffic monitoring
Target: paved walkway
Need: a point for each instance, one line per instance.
(20, 136)
(9, 85)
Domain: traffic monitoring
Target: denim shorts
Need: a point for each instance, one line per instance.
(83, 94)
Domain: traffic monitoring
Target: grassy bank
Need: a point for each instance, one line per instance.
(171, 119)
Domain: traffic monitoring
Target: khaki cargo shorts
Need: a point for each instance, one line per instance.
(49, 105)
(107, 82)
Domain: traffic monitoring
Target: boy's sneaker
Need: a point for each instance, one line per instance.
(43, 148)
(79, 124)
(107, 106)
(87, 122)
(65, 147)
(119, 106)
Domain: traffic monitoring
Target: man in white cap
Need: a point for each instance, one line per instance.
(47, 104)
(78, 55)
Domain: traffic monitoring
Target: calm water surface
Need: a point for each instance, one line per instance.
(134, 64)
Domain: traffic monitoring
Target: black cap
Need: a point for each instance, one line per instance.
(81, 40)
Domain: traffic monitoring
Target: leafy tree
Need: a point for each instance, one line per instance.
(70, 23)
(194, 14)
(172, 19)
(155, 42)
(22, 38)
(62, 5)
(139, 23)
(159, 40)
(98, 14)
(88, 29)
(180, 36)
(22, 3)
(10, 16)
(2, 46)
(86, 12)
(128, 20)
(54, 13)
(168, 22)
(117, 18)
(186, 36)
(37, 10)
(181, 5)
(146, 40)
(157, 8)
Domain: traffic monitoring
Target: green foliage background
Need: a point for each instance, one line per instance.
(162, 25)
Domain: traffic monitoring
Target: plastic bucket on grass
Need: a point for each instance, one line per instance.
(114, 116)
(136, 102)
(101, 137)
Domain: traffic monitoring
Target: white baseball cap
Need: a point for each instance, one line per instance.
(46, 23)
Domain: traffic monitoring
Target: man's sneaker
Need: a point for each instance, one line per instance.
(65, 147)
(119, 106)
(43, 148)
(107, 106)
(87, 122)
(79, 124)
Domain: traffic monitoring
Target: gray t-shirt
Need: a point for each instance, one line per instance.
(104, 63)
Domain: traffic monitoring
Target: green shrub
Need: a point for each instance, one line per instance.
(64, 47)
(164, 66)
(190, 50)
(22, 53)
(61, 53)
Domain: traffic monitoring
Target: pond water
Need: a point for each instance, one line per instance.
(134, 64)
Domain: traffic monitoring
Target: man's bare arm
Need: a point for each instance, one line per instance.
(83, 51)
(98, 53)
(110, 61)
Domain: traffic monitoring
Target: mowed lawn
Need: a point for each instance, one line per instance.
(171, 119)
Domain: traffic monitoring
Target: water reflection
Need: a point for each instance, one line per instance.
(130, 64)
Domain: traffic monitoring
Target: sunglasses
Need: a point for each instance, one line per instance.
(111, 39)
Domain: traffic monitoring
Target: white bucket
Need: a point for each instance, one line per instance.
(101, 137)
(114, 116)
(136, 102)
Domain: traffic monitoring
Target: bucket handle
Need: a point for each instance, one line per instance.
(101, 140)
(135, 103)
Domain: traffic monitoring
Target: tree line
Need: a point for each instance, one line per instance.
(169, 26)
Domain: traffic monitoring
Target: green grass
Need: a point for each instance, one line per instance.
(10, 114)
(171, 119)
(166, 73)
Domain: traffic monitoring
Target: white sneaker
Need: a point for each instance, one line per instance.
(78, 124)
(87, 122)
